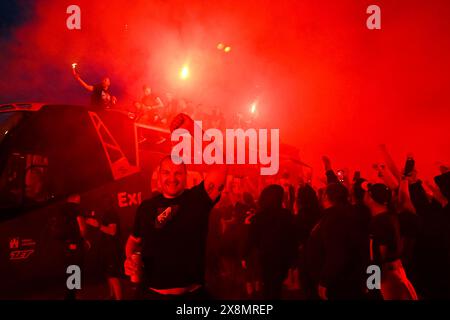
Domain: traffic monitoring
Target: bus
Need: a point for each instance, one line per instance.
(48, 152)
(51, 151)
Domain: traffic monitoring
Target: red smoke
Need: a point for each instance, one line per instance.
(331, 85)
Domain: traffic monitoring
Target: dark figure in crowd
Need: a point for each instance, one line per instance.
(101, 228)
(385, 244)
(410, 229)
(433, 244)
(309, 212)
(335, 259)
(363, 214)
(231, 222)
(68, 230)
(308, 215)
(443, 182)
(230, 239)
(250, 264)
(289, 192)
(330, 174)
(171, 230)
(272, 238)
(213, 276)
(101, 97)
(246, 208)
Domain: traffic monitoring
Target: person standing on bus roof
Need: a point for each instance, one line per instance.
(101, 97)
(151, 105)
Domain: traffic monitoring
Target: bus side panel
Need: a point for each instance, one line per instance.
(32, 257)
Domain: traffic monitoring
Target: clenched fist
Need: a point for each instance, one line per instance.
(182, 120)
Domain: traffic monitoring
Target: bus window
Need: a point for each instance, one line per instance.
(24, 181)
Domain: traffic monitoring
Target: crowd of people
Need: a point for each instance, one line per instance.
(321, 243)
(317, 241)
(324, 243)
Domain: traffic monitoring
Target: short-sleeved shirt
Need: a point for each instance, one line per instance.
(173, 233)
(385, 231)
(100, 98)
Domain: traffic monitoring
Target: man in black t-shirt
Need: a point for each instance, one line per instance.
(101, 97)
(171, 228)
(101, 229)
(334, 253)
(173, 233)
(271, 240)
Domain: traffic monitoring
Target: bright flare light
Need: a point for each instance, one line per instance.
(253, 108)
(220, 46)
(184, 74)
(227, 49)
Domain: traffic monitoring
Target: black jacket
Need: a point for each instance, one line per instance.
(336, 252)
(272, 235)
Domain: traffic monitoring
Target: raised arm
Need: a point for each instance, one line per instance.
(385, 174)
(331, 176)
(404, 199)
(83, 84)
(390, 162)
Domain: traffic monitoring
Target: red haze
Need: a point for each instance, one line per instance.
(331, 85)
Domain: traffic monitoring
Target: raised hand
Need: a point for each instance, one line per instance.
(182, 120)
(326, 162)
(74, 72)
